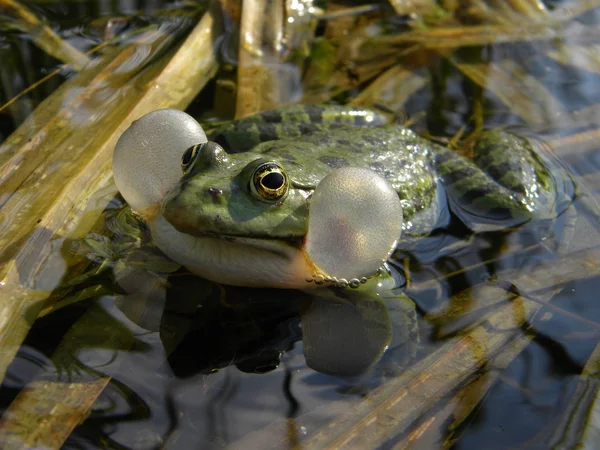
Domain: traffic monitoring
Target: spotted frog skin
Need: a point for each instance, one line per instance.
(506, 184)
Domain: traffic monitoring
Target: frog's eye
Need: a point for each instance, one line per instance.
(190, 155)
(269, 182)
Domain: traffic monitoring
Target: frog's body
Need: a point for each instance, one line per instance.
(223, 224)
(233, 237)
(395, 153)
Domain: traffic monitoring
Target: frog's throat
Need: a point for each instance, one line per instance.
(237, 261)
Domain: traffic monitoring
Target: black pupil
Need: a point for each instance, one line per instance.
(187, 156)
(273, 180)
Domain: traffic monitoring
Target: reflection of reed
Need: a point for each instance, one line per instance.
(294, 406)
(287, 391)
(216, 408)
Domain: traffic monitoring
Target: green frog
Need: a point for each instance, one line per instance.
(237, 206)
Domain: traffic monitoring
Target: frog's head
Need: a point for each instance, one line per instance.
(242, 219)
(235, 195)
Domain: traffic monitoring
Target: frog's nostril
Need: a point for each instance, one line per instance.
(215, 192)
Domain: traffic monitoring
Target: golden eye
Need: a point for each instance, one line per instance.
(269, 182)
(189, 156)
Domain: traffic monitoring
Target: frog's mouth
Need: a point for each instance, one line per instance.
(154, 212)
(294, 241)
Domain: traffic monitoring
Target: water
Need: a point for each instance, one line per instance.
(224, 367)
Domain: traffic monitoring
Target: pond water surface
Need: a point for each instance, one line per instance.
(508, 326)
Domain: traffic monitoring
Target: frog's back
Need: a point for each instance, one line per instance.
(312, 140)
(394, 152)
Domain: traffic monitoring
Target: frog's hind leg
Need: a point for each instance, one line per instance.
(479, 201)
(289, 123)
(507, 184)
(532, 172)
(534, 175)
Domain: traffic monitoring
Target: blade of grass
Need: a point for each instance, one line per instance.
(480, 11)
(478, 35)
(586, 58)
(48, 420)
(339, 11)
(533, 9)
(417, 7)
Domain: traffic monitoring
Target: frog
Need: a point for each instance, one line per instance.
(239, 210)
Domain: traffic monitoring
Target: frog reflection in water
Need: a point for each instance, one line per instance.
(237, 210)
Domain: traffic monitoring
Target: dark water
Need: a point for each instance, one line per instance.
(223, 365)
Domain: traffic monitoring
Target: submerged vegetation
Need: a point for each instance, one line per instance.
(509, 328)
